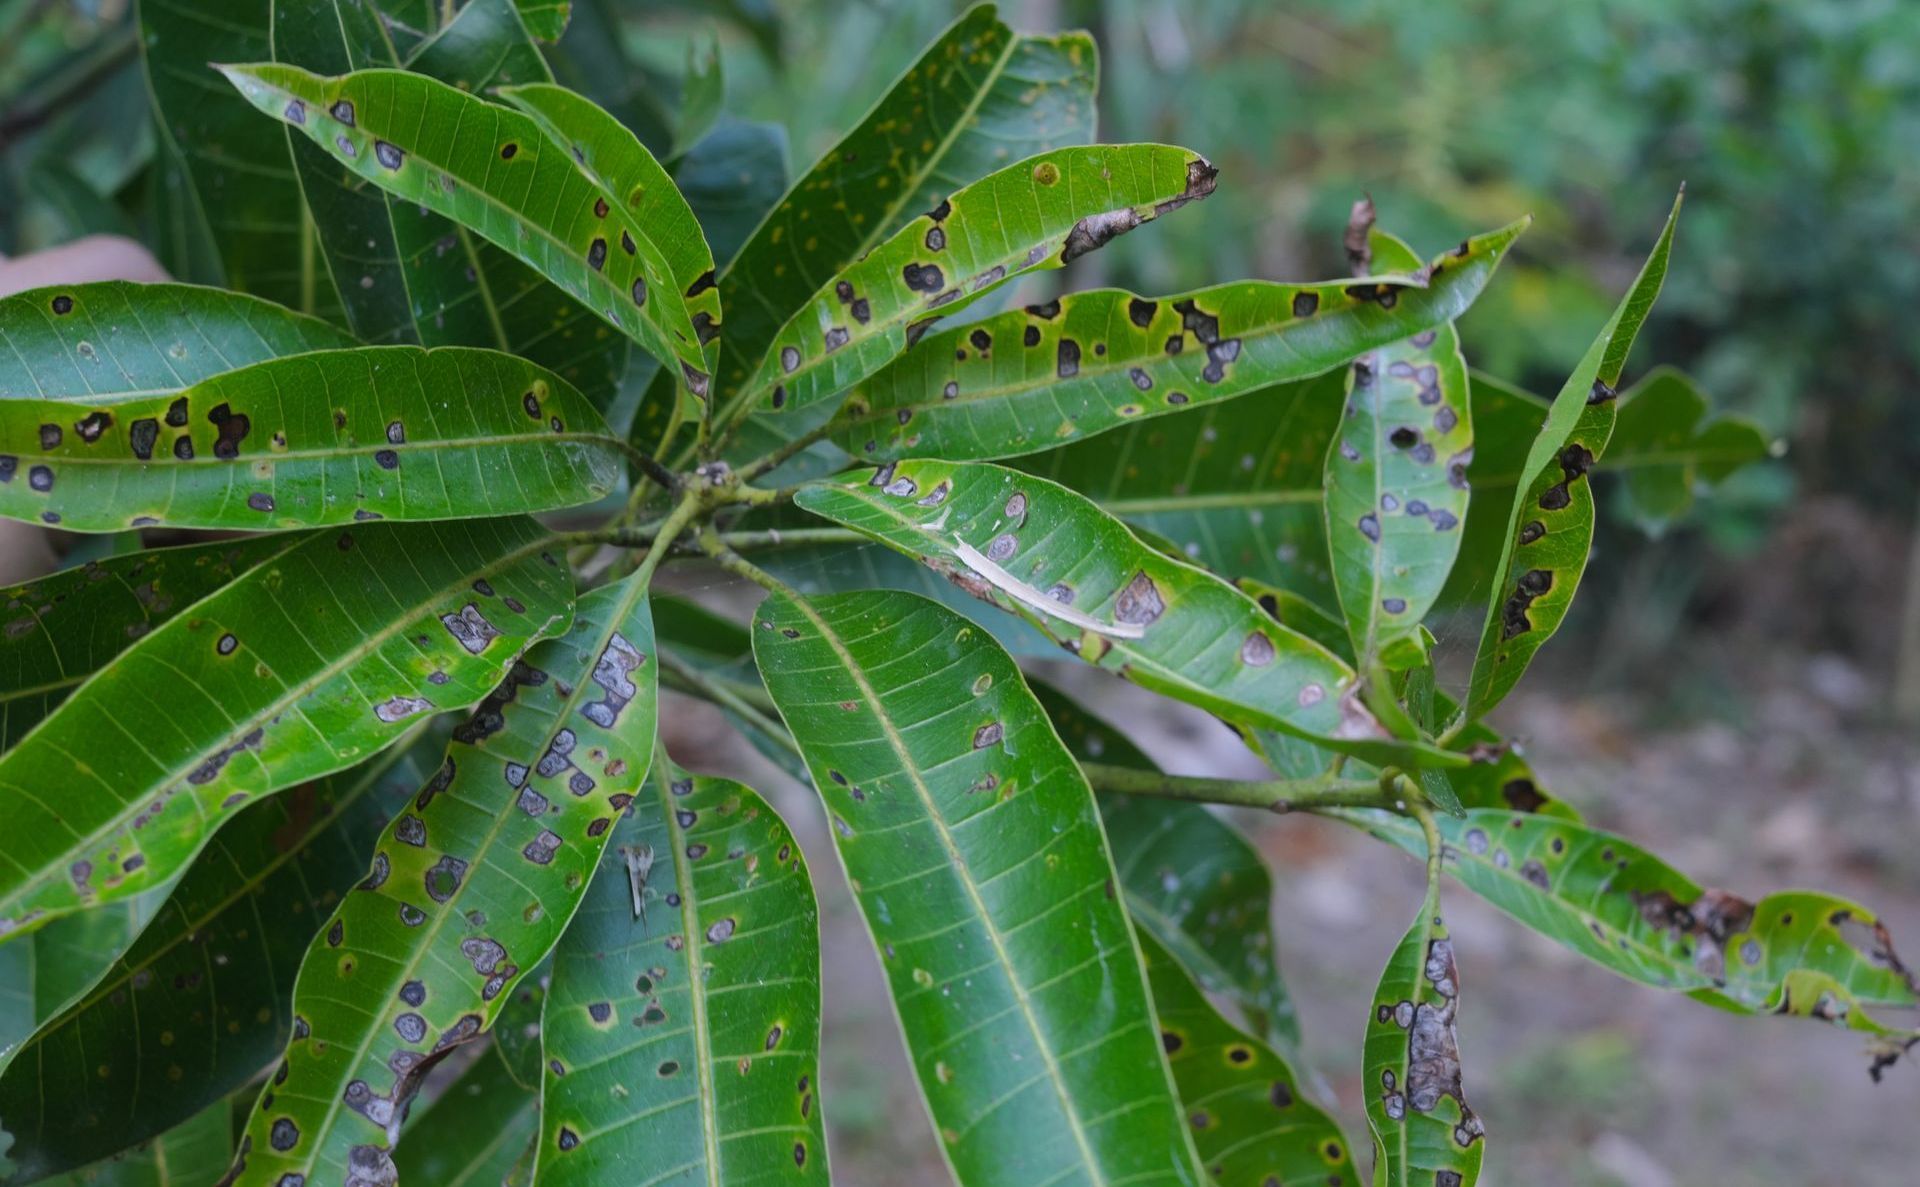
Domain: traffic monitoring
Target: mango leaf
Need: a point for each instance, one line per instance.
(1500, 776)
(467, 892)
(972, 844)
(59, 630)
(1236, 485)
(495, 170)
(979, 96)
(1051, 556)
(302, 667)
(43, 973)
(1034, 378)
(1033, 215)
(198, 1005)
(703, 93)
(1424, 1132)
(473, 1132)
(731, 179)
(1666, 444)
(1250, 1121)
(1663, 449)
(113, 341)
(683, 1029)
(188, 1155)
(75, 204)
(516, 1031)
(1396, 480)
(1611, 901)
(1550, 529)
(324, 438)
(545, 19)
(404, 273)
(1191, 880)
(232, 206)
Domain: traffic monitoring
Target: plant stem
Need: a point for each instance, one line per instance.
(791, 538)
(739, 566)
(1274, 795)
(689, 679)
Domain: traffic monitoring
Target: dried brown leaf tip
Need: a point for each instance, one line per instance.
(1359, 226)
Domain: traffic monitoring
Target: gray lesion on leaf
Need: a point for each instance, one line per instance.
(1433, 1047)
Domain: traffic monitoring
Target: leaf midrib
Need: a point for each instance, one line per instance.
(289, 698)
(957, 865)
(696, 972)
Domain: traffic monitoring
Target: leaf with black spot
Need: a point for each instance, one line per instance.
(691, 976)
(495, 170)
(1034, 215)
(467, 892)
(338, 644)
(975, 851)
(1138, 359)
(1249, 1118)
(198, 1004)
(1079, 575)
(330, 437)
(1396, 485)
(1550, 527)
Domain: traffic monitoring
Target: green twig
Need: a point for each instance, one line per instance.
(1274, 795)
(680, 675)
(789, 538)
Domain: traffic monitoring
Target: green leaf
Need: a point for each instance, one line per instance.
(1051, 556)
(80, 208)
(1611, 901)
(1666, 444)
(1250, 1121)
(979, 96)
(973, 846)
(1192, 881)
(1034, 378)
(1424, 1132)
(1550, 529)
(1237, 485)
(516, 1032)
(1396, 480)
(111, 340)
(1034, 215)
(188, 1155)
(198, 1005)
(302, 667)
(683, 1028)
(494, 170)
(59, 630)
(232, 204)
(323, 438)
(731, 178)
(43, 973)
(703, 93)
(473, 1132)
(545, 19)
(468, 891)
(1500, 776)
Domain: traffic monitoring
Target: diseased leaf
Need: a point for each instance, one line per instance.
(473, 1132)
(974, 849)
(377, 432)
(304, 666)
(1191, 880)
(979, 91)
(59, 630)
(188, 1155)
(231, 204)
(1236, 485)
(1033, 215)
(198, 1005)
(113, 341)
(1250, 1121)
(494, 170)
(1396, 480)
(1550, 529)
(1611, 901)
(1424, 1132)
(1034, 378)
(468, 890)
(683, 1029)
(1049, 555)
